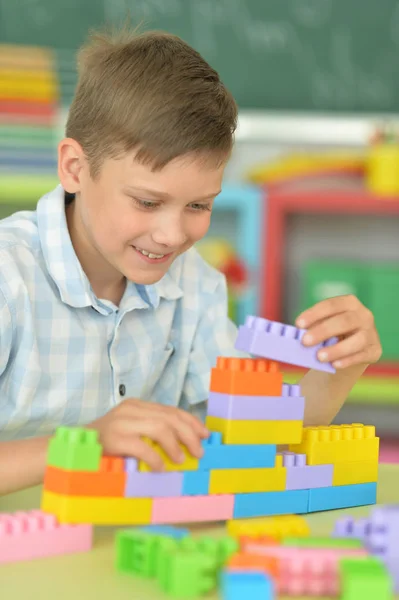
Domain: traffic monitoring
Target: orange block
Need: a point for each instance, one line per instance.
(108, 481)
(244, 540)
(246, 377)
(246, 561)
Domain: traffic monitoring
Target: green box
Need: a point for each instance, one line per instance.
(321, 279)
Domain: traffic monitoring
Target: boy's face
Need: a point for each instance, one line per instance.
(136, 221)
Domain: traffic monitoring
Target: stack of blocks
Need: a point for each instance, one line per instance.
(241, 474)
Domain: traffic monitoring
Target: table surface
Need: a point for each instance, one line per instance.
(92, 576)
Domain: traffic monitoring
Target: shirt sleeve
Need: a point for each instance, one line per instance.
(6, 333)
(215, 336)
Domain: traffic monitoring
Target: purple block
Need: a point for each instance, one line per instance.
(301, 476)
(276, 341)
(288, 407)
(151, 485)
(380, 534)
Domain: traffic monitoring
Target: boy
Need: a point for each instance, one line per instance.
(109, 317)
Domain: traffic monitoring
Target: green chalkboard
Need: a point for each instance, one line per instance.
(323, 55)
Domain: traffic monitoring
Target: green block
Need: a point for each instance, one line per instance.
(220, 549)
(188, 574)
(365, 579)
(75, 449)
(321, 542)
(137, 551)
(321, 279)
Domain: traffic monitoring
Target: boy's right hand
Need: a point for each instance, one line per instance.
(121, 431)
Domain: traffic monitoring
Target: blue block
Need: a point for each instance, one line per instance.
(195, 483)
(235, 456)
(342, 496)
(253, 585)
(171, 531)
(271, 503)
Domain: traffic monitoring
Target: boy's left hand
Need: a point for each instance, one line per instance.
(346, 318)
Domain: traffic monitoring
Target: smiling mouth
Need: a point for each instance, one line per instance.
(149, 254)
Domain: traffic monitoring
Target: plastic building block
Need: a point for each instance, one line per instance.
(195, 483)
(271, 503)
(383, 540)
(223, 548)
(350, 528)
(365, 579)
(280, 342)
(74, 448)
(288, 407)
(235, 456)
(282, 552)
(275, 527)
(300, 576)
(321, 542)
(361, 471)
(187, 509)
(256, 432)
(240, 481)
(244, 561)
(246, 376)
(34, 534)
(301, 476)
(136, 551)
(342, 496)
(150, 485)
(338, 443)
(253, 585)
(187, 574)
(379, 533)
(109, 480)
(177, 533)
(189, 464)
(98, 511)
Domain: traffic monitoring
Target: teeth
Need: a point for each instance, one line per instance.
(149, 254)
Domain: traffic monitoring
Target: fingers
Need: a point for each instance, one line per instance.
(188, 429)
(134, 445)
(337, 325)
(337, 353)
(327, 308)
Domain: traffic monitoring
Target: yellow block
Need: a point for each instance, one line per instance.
(189, 464)
(241, 481)
(28, 89)
(338, 443)
(98, 511)
(256, 432)
(362, 471)
(382, 169)
(275, 527)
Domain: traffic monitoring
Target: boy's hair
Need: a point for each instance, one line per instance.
(153, 93)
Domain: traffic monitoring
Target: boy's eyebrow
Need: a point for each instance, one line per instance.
(165, 194)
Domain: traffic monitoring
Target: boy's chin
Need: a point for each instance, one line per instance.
(141, 277)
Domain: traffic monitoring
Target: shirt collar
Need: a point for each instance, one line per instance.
(66, 271)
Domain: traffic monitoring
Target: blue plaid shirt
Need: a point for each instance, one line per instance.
(67, 357)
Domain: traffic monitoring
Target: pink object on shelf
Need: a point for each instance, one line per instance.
(191, 509)
(35, 534)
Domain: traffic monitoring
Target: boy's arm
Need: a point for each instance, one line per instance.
(22, 463)
(325, 393)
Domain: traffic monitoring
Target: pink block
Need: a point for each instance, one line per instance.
(35, 534)
(306, 571)
(192, 509)
(291, 552)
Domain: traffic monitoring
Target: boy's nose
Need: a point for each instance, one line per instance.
(170, 234)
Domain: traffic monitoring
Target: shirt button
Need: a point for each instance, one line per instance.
(122, 389)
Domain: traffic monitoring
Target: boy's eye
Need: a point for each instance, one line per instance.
(197, 206)
(145, 203)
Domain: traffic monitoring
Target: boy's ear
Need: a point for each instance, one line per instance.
(71, 161)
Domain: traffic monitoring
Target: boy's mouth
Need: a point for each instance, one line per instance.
(152, 257)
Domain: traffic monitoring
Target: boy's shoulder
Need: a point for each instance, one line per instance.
(19, 235)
